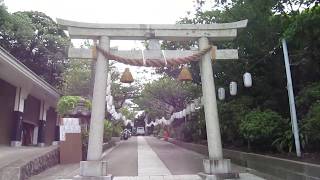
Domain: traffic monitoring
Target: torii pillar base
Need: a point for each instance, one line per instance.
(93, 170)
(218, 169)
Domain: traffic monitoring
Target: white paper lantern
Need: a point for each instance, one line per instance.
(247, 79)
(233, 88)
(221, 93)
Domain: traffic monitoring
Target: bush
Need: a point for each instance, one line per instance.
(231, 114)
(111, 129)
(107, 130)
(67, 103)
(261, 126)
(308, 96)
(311, 125)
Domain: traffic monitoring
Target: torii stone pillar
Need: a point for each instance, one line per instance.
(215, 165)
(94, 167)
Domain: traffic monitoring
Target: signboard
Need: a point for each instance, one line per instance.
(69, 125)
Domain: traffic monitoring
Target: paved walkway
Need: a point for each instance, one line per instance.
(146, 158)
(149, 164)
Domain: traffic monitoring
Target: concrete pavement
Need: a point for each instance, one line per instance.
(123, 159)
(148, 157)
(179, 160)
(149, 164)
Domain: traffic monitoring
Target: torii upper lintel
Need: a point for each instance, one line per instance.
(173, 32)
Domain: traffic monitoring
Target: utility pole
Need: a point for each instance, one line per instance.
(295, 129)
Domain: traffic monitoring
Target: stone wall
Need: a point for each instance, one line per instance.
(23, 169)
(271, 167)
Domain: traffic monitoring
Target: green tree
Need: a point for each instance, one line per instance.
(166, 95)
(37, 41)
(76, 78)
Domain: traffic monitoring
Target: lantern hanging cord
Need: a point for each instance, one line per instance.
(156, 62)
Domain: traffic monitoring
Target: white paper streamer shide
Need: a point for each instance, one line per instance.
(111, 107)
(190, 108)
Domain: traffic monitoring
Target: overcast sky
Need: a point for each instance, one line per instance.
(109, 11)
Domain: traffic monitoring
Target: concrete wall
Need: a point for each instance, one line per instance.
(7, 95)
(273, 168)
(50, 126)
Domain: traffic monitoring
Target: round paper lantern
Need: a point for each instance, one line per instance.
(221, 93)
(247, 79)
(233, 88)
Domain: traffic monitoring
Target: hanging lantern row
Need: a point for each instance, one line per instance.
(233, 88)
(247, 82)
(197, 103)
(110, 105)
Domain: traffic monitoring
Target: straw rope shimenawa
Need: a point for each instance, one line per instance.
(159, 62)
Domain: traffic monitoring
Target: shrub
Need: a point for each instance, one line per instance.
(311, 125)
(68, 103)
(261, 126)
(230, 115)
(308, 96)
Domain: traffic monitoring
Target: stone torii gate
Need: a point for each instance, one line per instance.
(214, 167)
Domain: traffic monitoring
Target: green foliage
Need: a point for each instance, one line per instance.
(111, 129)
(67, 103)
(285, 141)
(129, 114)
(37, 41)
(107, 130)
(163, 96)
(77, 77)
(307, 96)
(311, 125)
(261, 125)
(231, 113)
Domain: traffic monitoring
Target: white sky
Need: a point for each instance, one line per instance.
(111, 11)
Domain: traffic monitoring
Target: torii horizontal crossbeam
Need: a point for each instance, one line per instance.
(172, 32)
(82, 53)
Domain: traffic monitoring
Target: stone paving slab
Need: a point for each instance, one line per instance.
(149, 164)
(243, 176)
